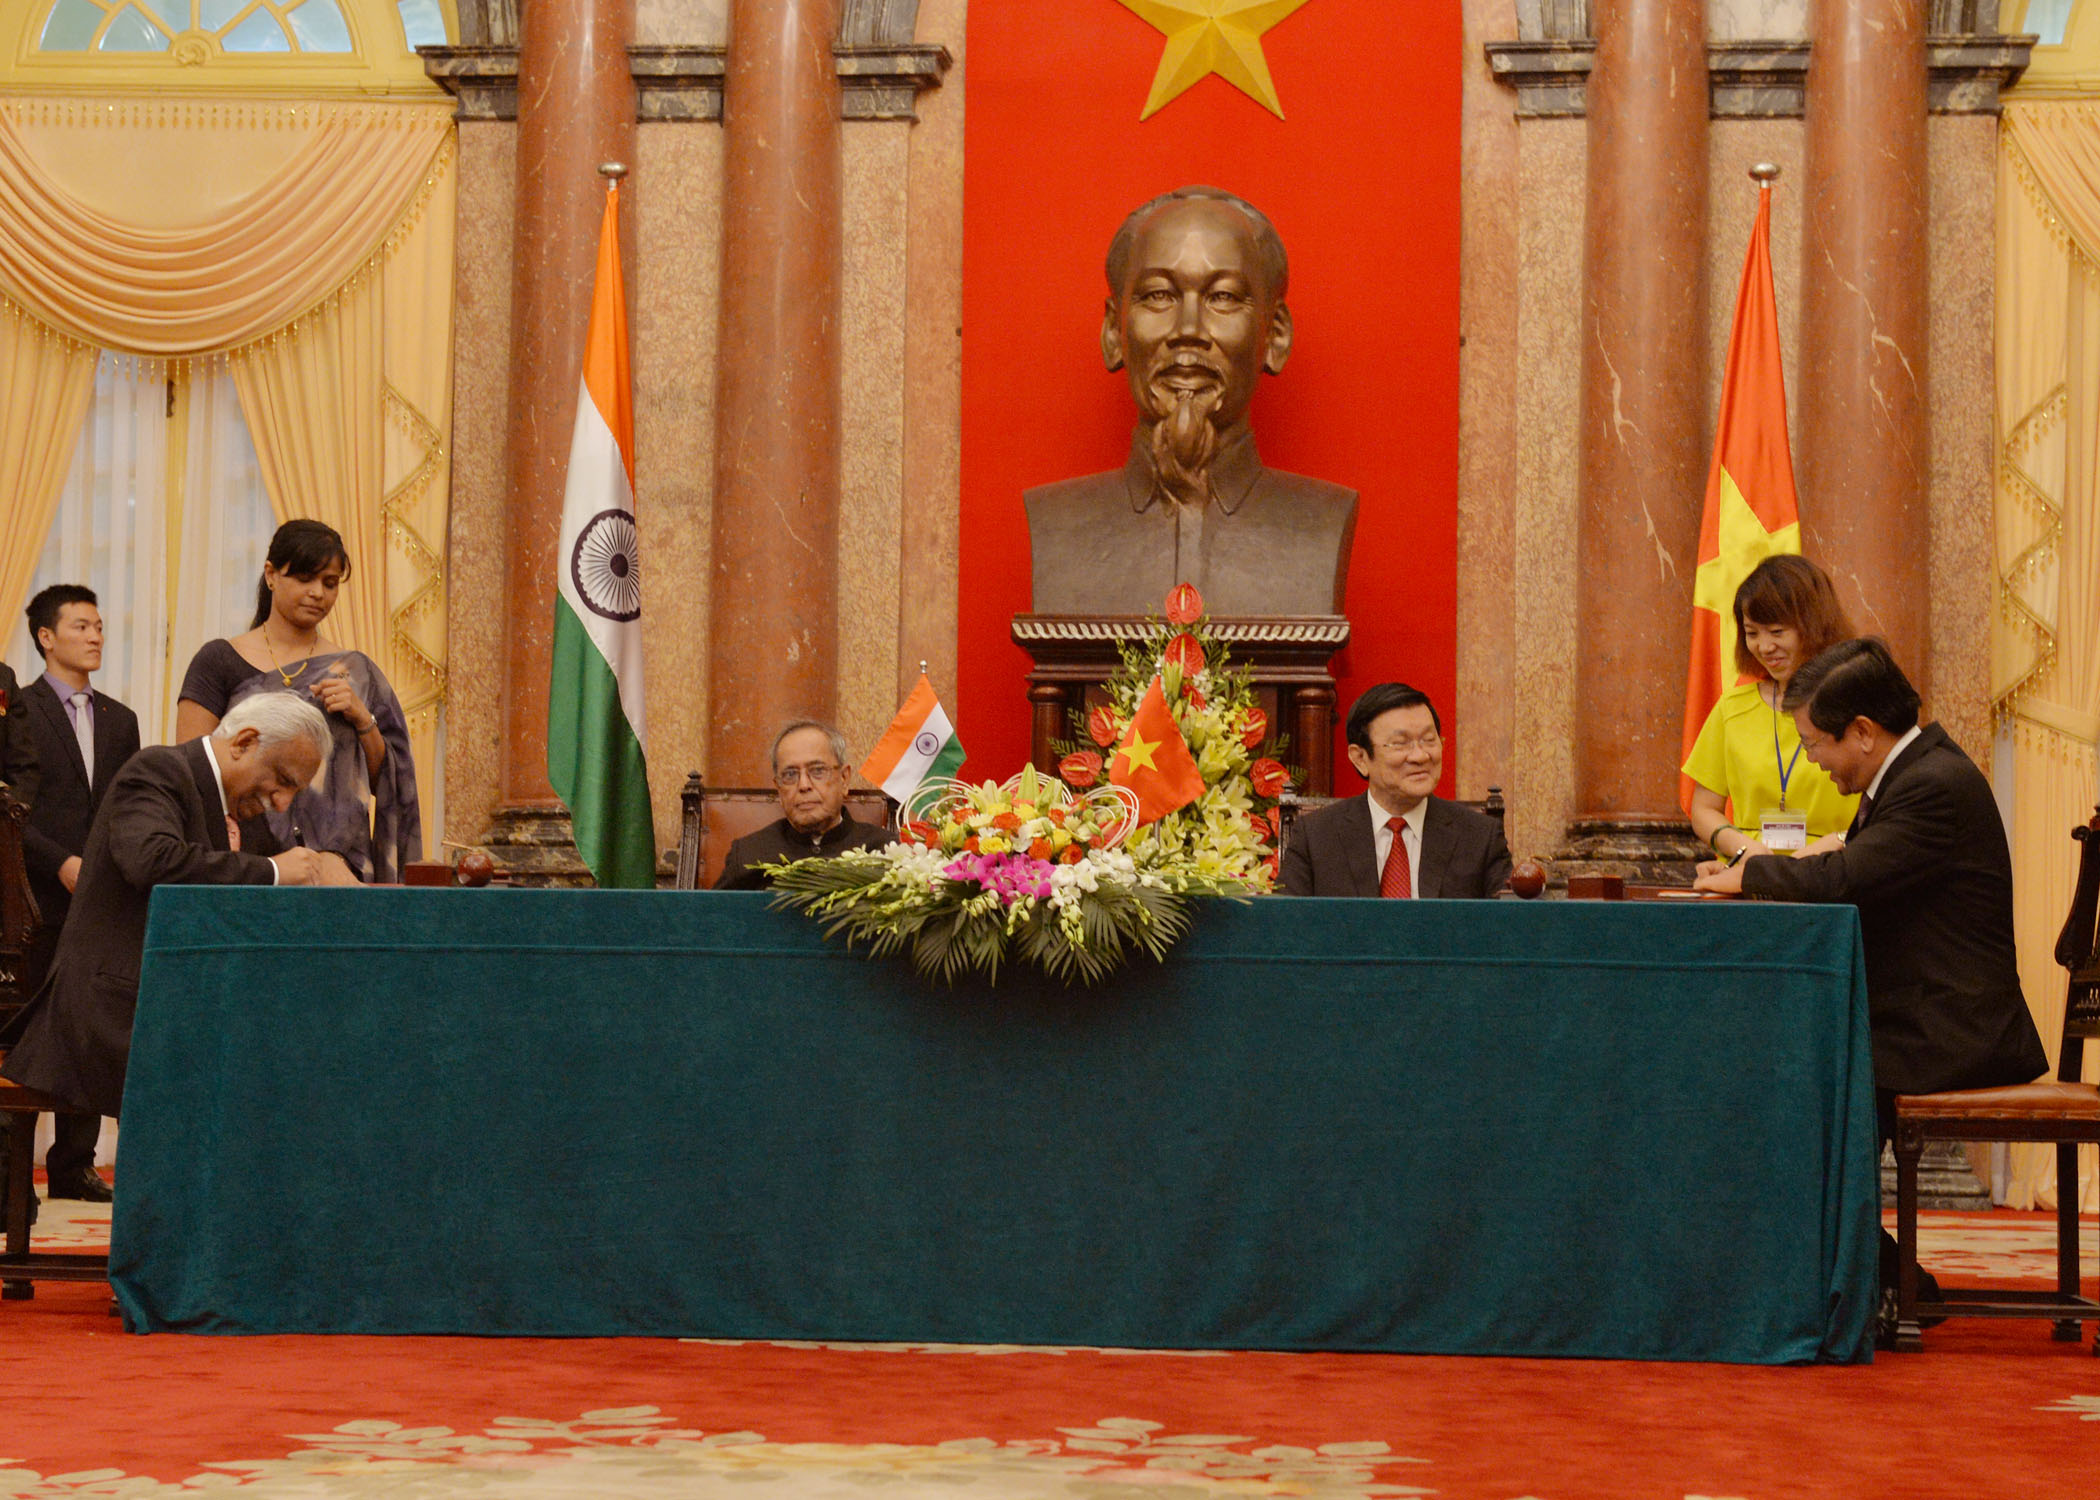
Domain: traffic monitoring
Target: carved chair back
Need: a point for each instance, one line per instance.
(712, 818)
(2078, 950)
(18, 911)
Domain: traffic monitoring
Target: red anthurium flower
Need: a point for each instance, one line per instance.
(1185, 652)
(1269, 777)
(918, 831)
(1184, 604)
(1101, 726)
(1082, 768)
(1254, 729)
(1269, 864)
(1197, 701)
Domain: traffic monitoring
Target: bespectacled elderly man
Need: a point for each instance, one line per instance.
(811, 773)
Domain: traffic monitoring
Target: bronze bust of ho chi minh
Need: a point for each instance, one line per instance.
(1195, 314)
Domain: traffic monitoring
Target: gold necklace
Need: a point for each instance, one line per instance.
(271, 652)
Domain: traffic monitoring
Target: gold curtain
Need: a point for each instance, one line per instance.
(212, 269)
(2045, 643)
(46, 382)
(313, 243)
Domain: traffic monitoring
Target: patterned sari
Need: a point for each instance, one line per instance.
(374, 823)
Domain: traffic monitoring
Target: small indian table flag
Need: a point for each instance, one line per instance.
(920, 745)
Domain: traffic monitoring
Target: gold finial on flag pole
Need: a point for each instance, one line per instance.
(618, 169)
(922, 666)
(1765, 173)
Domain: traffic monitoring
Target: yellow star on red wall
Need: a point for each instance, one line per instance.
(1213, 36)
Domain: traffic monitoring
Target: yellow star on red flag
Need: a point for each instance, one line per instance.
(1212, 36)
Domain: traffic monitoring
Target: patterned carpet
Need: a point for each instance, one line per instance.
(1991, 1409)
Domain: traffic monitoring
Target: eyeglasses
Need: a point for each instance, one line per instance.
(1428, 744)
(817, 775)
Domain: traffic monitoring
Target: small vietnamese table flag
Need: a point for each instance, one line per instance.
(594, 706)
(1751, 511)
(920, 745)
(1153, 760)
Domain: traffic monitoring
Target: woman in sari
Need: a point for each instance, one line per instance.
(366, 809)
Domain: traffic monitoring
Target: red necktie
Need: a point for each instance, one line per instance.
(1395, 881)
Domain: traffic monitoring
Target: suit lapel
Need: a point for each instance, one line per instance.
(1437, 849)
(208, 792)
(1929, 737)
(43, 700)
(1362, 849)
(108, 761)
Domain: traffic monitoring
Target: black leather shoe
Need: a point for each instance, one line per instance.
(88, 1187)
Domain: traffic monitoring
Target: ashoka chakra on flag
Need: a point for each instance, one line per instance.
(606, 566)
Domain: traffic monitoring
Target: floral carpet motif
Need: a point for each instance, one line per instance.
(637, 1451)
(1999, 1246)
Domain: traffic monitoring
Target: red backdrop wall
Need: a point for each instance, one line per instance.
(1361, 178)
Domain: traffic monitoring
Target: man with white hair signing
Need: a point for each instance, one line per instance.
(169, 818)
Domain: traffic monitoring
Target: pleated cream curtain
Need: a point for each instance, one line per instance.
(2046, 636)
(312, 245)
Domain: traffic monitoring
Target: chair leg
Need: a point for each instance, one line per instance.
(21, 1188)
(1909, 1145)
(2066, 1330)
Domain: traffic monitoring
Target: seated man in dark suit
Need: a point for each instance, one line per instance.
(810, 770)
(1926, 863)
(1399, 839)
(83, 737)
(168, 818)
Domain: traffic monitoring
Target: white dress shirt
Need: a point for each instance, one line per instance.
(1874, 786)
(1382, 838)
(220, 787)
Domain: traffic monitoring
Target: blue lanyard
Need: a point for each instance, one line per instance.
(1786, 771)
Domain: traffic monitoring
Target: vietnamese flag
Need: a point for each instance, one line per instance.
(1751, 510)
(1153, 760)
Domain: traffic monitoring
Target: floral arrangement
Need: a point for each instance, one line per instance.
(987, 875)
(1229, 831)
(1074, 873)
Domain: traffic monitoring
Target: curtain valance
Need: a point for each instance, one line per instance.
(239, 245)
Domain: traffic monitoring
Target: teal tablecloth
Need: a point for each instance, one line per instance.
(1487, 1127)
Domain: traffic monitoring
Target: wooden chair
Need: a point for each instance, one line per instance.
(713, 818)
(2062, 1110)
(19, 1107)
(1290, 807)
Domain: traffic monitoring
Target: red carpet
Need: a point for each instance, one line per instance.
(1991, 1409)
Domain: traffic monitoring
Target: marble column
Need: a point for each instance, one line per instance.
(773, 606)
(576, 109)
(1864, 317)
(1643, 424)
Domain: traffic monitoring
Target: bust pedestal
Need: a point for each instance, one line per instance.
(1289, 656)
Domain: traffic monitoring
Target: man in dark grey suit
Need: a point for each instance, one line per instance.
(1926, 863)
(166, 819)
(1399, 839)
(83, 737)
(18, 767)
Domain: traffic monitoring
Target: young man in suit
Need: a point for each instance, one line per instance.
(169, 817)
(1926, 863)
(83, 737)
(1398, 839)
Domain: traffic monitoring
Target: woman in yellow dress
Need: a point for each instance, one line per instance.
(1755, 792)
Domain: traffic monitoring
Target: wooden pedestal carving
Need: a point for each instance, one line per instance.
(1288, 654)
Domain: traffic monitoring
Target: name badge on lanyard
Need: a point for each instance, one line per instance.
(1779, 829)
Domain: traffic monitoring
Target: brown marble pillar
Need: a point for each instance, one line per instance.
(1643, 424)
(773, 608)
(1864, 285)
(576, 108)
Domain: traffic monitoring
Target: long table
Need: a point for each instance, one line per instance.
(1551, 1128)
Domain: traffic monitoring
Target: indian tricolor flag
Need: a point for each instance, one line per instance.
(594, 711)
(1751, 512)
(920, 745)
